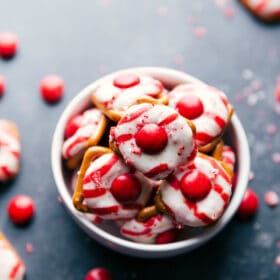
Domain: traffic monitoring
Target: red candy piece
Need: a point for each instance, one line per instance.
(126, 81)
(167, 236)
(98, 273)
(8, 44)
(126, 188)
(52, 88)
(21, 209)
(249, 205)
(195, 185)
(2, 85)
(73, 125)
(151, 138)
(190, 106)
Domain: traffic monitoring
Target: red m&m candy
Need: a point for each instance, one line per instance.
(249, 205)
(2, 85)
(98, 273)
(126, 81)
(21, 209)
(52, 88)
(8, 44)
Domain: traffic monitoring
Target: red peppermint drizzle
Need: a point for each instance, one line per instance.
(134, 115)
(73, 125)
(190, 106)
(126, 188)
(151, 138)
(126, 81)
(195, 185)
(157, 170)
(15, 270)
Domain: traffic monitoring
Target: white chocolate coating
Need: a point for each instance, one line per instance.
(146, 232)
(207, 210)
(9, 154)
(214, 118)
(100, 174)
(90, 127)
(228, 156)
(11, 267)
(180, 147)
(114, 98)
(265, 8)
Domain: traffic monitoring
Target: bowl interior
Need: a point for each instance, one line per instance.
(107, 232)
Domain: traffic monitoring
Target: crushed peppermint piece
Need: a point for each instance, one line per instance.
(29, 248)
(271, 129)
(271, 198)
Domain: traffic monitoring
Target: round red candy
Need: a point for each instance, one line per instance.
(167, 236)
(126, 188)
(8, 44)
(190, 106)
(73, 125)
(52, 88)
(195, 185)
(249, 205)
(21, 209)
(126, 81)
(2, 85)
(151, 138)
(98, 273)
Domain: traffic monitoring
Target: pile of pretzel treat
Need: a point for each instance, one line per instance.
(150, 157)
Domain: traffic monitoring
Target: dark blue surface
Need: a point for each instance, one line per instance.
(82, 40)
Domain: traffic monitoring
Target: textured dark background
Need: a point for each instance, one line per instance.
(82, 40)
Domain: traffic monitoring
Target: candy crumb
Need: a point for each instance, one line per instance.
(277, 260)
(271, 198)
(29, 248)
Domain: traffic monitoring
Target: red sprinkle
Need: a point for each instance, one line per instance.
(8, 44)
(249, 205)
(29, 248)
(126, 188)
(126, 81)
(21, 209)
(52, 88)
(271, 198)
(2, 85)
(98, 273)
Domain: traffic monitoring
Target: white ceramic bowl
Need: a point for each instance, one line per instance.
(107, 233)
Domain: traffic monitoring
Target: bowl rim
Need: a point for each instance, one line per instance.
(130, 247)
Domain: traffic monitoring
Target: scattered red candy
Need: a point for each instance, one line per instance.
(8, 44)
(151, 138)
(277, 91)
(98, 273)
(249, 205)
(21, 209)
(167, 236)
(73, 125)
(2, 85)
(190, 106)
(195, 185)
(271, 198)
(126, 188)
(126, 81)
(52, 88)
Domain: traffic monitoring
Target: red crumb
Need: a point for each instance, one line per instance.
(229, 12)
(162, 11)
(276, 158)
(277, 260)
(29, 248)
(271, 129)
(271, 198)
(200, 32)
(2, 85)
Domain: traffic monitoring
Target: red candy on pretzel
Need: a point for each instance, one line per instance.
(207, 107)
(82, 131)
(108, 188)
(267, 10)
(113, 97)
(11, 266)
(198, 194)
(154, 139)
(9, 150)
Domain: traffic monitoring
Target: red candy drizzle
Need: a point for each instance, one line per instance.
(8, 44)
(190, 106)
(21, 209)
(126, 188)
(195, 185)
(126, 81)
(151, 138)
